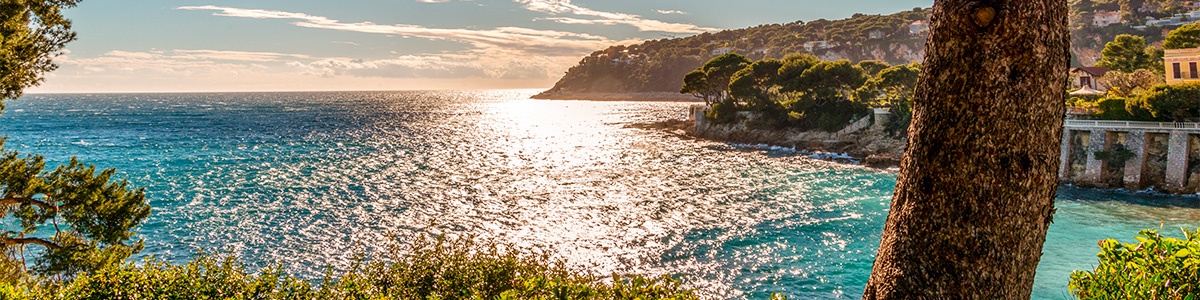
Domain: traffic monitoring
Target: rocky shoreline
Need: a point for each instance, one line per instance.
(871, 147)
(642, 96)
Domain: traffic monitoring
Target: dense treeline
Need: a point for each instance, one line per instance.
(659, 65)
(801, 91)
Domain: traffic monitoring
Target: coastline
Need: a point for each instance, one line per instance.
(625, 96)
(870, 148)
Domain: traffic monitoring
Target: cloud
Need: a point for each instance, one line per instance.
(556, 7)
(175, 63)
(670, 12)
(547, 42)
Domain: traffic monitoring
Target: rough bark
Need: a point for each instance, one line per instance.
(976, 189)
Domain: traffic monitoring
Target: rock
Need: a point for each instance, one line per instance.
(881, 161)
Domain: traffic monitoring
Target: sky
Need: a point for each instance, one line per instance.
(323, 45)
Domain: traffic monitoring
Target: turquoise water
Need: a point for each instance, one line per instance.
(309, 179)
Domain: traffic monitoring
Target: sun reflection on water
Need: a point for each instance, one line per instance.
(309, 179)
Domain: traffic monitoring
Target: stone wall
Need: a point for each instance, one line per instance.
(1163, 158)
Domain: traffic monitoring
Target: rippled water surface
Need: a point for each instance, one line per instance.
(307, 179)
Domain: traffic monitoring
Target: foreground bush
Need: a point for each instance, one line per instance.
(1156, 267)
(428, 268)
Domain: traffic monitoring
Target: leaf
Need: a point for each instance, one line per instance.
(1183, 253)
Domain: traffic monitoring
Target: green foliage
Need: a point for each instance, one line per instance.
(1156, 267)
(90, 218)
(70, 219)
(1115, 157)
(1186, 36)
(801, 91)
(1126, 53)
(696, 83)
(1112, 109)
(828, 81)
(424, 268)
(827, 115)
(872, 67)
(794, 65)
(723, 112)
(660, 65)
(712, 81)
(33, 32)
(753, 84)
(1179, 102)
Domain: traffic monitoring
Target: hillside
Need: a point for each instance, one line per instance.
(658, 66)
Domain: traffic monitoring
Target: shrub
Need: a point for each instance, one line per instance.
(1156, 267)
(723, 112)
(1083, 100)
(1112, 109)
(1172, 102)
(428, 268)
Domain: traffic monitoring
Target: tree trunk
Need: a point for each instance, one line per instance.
(977, 184)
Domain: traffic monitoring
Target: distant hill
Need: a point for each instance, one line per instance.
(659, 65)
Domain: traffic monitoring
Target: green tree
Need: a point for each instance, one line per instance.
(80, 219)
(753, 83)
(33, 33)
(1129, 9)
(872, 67)
(829, 80)
(696, 83)
(1126, 53)
(1179, 102)
(794, 65)
(716, 74)
(1081, 14)
(896, 86)
(1186, 36)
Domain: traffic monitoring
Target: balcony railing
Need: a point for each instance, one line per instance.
(1132, 124)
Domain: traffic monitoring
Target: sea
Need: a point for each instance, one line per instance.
(313, 180)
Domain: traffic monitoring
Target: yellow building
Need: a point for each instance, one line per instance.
(1181, 65)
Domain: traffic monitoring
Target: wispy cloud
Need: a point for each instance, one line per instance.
(671, 12)
(546, 42)
(557, 7)
(474, 64)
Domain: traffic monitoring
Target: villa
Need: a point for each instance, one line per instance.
(1181, 65)
(1105, 18)
(1089, 77)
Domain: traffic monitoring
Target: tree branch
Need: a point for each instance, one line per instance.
(29, 201)
(26, 241)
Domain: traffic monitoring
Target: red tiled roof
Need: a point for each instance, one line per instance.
(1094, 71)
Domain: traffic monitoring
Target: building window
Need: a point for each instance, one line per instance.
(1178, 72)
(1192, 68)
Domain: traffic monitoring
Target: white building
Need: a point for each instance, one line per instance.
(722, 51)
(1105, 18)
(876, 34)
(917, 27)
(816, 45)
